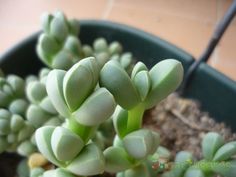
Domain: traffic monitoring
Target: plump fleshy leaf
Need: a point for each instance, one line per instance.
(36, 91)
(73, 44)
(143, 83)
(46, 20)
(46, 105)
(194, 173)
(97, 108)
(89, 162)
(115, 48)
(62, 60)
(125, 60)
(225, 152)
(59, 172)
(165, 76)
(26, 131)
(58, 27)
(17, 122)
(26, 148)
(117, 160)
(54, 89)
(120, 118)
(48, 44)
(17, 84)
(210, 144)
(100, 45)
(65, 144)
(43, 140)
(226, 169)
(37, 116)
(117, 81)
(138, 171)
(77, 86)
(140, 66)
(183, 160)
(139, 144)
(18, 106)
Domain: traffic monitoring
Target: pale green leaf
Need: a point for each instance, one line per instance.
(89, 162)
(117, 81)
(65, 144)
(54, 89)
(97, 108)
(117, 160)
(165, 76)
(210, 144)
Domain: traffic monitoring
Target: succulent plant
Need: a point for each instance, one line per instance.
(76, 96)
(88, 112)
(12, 94)
(58, 45)
(13, 131)
(218, 158)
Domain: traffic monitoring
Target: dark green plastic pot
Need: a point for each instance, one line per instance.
(215, 92)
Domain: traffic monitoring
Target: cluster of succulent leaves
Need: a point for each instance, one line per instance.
(14, 128)
(59, 46)
(218, 158)
(24, 107)
(87, 111)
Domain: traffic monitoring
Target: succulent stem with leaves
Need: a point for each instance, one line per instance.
(75, 96)
(134, 95)
(218, 159)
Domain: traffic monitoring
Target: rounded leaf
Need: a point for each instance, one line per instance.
(126, 60)
(115, 48)
(36, 91)
(119, 85)
(43, 141)
(225, 152)
(59, 172)
(62, 60)
(26, 148)
(117, 160)
(89, 162)
(139, 144)
(100, 45)
(138, 171)
(120, 118)
(58, 28)
(18, 106)
(226, 169)
(143, 83)
(37, 116)
(48, 44)
(77, 85)
(140, 66)
(210, 144)
(166, 77)
(194, 173)
(97, 108)
(54, 87)
(65, 144)
(17, 123)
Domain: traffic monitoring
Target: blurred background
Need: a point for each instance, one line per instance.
(186, 23)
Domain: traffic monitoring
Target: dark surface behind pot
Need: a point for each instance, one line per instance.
(216, 92)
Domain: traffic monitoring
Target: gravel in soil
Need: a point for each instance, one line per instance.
(182, 125)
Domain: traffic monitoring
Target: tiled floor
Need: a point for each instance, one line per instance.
(186, 23)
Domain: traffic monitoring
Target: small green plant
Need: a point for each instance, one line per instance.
(84, 113)
(218, 159)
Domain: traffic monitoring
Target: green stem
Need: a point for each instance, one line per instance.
(135, 117)
(85, 132)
